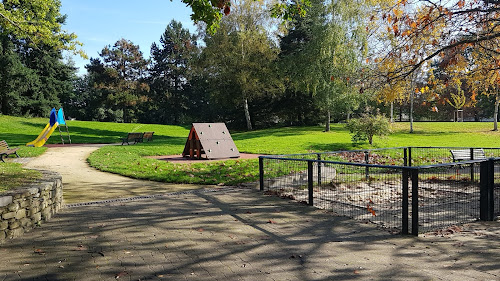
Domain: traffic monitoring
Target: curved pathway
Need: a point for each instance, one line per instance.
(83, 183)
(232, 234)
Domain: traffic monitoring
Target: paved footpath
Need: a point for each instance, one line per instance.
(237, 234)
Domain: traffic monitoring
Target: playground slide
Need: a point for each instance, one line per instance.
(56, 119)
(44, 135)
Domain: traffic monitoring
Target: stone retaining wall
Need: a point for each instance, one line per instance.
(25, 208)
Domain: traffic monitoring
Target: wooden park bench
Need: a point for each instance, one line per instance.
(6, 151)
(135, 137)
(465, 154)
(147, 136)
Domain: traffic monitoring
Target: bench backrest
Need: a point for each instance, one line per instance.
(464, 154)
(132, 136)
(3, 145)
(148, 135)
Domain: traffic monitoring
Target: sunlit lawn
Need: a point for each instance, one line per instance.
(169, 140)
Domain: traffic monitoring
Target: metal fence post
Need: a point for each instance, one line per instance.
(367, 160)
(319, 169)
(404, 214)
(409, 156)
(310, 181)
(261, 173)
(414, 202)
(472, 164)
(487, 185)
(405, 156)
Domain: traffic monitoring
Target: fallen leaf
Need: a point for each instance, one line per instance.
(40, 251)
(356, 272)
(121, 274)
(200, 230)
(271, 221)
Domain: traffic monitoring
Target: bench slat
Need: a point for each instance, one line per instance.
(464, 154)
(6, 151)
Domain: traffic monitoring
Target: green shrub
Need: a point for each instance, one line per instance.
(367, 126)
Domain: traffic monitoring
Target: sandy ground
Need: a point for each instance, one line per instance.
(83, 183)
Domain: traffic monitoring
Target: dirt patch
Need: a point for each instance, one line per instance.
(178, 159)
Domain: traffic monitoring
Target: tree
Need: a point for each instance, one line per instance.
(367, 126)
(32, 80)
(38, 22)
(322, 52)
(423, 31)
(171, 73)
(239, 58)
(211, 11)
(119, 79)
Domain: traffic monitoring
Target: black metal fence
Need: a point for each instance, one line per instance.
(408, 189)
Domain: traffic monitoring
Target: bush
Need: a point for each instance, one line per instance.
(367, 126)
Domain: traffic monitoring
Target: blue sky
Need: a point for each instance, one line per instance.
(101, 23)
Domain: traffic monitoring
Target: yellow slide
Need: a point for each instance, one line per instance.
(43, 136)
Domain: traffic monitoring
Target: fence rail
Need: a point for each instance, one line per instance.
(408, 189)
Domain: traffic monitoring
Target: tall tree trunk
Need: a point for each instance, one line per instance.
(411, 112)
(495, 115)
(328, 116)
(392, 112)
(247, 115)
(348, 116)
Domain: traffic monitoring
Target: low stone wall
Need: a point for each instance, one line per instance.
(25, 208)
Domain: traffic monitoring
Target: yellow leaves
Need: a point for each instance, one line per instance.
(423, 90)
(397, 12)
(461, 3)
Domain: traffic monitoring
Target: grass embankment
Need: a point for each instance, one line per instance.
(168, 140)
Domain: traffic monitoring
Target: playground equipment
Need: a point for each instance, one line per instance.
(56, 120)
(211, 139)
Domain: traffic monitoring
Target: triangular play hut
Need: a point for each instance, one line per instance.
(211, 140)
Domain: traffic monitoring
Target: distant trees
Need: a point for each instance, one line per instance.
(239, 58)
(32, 80)
(321, 66)
(321, 56)
(171, 74)
(118, 79)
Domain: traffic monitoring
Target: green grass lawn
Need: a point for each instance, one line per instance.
(168, 140)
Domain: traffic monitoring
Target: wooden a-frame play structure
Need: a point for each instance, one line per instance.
(211, 140)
